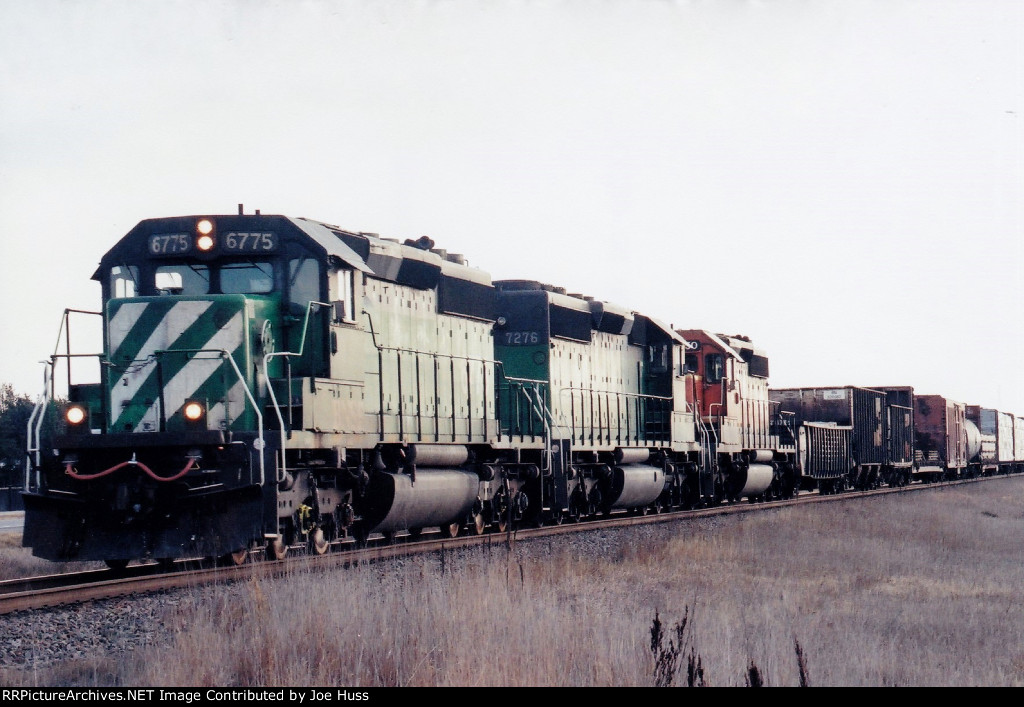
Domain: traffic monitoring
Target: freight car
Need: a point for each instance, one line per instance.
(860, 411)
(940, 438)
(983, 440)
(877, 423)
(268, 383)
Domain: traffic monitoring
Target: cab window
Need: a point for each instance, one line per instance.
(248, 278)
(124, 281)
(182, 280)
(714, 368)
(343, 295)
(303, 281)
(657, 356)
(690, 363)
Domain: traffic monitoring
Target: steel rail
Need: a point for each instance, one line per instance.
(78, 587)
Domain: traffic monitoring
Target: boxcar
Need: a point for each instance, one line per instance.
(940, 437)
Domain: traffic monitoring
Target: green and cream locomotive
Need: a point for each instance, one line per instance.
(269, 382)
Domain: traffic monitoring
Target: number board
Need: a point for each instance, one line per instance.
(170, 244)
(521, 338)
(248, 242)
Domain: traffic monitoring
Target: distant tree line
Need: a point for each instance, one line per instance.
(15, 410)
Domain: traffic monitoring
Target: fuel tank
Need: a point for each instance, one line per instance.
(438, 496)
(759, 478)
(634, 486)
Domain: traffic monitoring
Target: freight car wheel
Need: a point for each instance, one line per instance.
(479, 525)
(451, 530)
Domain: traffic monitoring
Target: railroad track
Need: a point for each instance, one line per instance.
(77, 587)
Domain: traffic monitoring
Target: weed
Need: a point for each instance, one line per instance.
(666, 655)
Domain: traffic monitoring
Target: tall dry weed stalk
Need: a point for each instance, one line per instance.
(667, 654)
(801, 663)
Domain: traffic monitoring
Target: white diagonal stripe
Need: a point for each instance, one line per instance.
(171, 326)
(122, 322)
(194, 373)
(236, 405)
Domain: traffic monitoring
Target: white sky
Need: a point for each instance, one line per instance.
(841, 180)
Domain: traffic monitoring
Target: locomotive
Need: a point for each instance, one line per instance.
(269, 383)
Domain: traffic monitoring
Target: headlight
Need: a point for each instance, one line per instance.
(205, 229)
(193, 411)
(75, 415)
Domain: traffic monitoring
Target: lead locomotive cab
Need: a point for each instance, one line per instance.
(167, 454)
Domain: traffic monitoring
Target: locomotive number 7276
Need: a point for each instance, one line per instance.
(521, 337)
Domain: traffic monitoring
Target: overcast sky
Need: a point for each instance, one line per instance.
(839, 180)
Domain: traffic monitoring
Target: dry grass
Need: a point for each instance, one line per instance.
(17, 562)
(916, 590)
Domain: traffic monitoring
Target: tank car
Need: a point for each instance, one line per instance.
(982, 432)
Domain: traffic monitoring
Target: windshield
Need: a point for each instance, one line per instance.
(252, 277)
(182, 280)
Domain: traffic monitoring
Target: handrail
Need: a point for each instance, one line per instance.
(434, 356)
(38, 413)
(225, 354)
(65, 331)
(270, 387)
(665, 429)
(33, 441)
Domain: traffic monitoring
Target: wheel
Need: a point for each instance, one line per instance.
(503, 523)
(117, 565)
(236, 558)
(479, 525)
(318, 543)
(451, 530)
(276, 549)
(360, 534)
